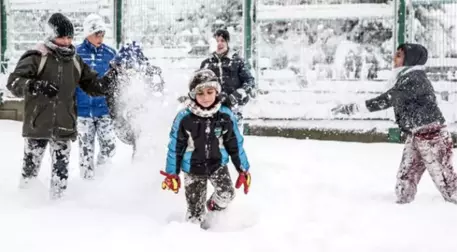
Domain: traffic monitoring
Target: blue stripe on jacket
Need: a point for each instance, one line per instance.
(224, 156)
(172, 166)
(98, 59)
(239, 138)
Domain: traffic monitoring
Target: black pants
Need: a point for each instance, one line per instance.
(196, 187)
(60, 153)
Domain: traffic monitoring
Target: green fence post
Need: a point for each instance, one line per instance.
(3, 42)
(394, 134)
(401, 22)
(118, 23)
(247, 30)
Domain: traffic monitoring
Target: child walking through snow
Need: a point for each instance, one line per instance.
(202, 138)
(428, 144)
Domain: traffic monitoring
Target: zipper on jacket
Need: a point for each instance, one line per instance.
(207, 134)
(94, 65)
(56, 98)
(207, 143)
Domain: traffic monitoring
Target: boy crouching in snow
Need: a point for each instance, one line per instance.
(428, 143)
(202, 138)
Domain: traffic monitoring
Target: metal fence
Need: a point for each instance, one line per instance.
(434, 24)
(181, 29)
(324, 39)
(24, 26)
(306, 39)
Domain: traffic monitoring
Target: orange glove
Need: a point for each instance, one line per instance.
(244, 178)
(171, 182)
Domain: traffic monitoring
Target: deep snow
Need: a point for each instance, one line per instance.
(305, 196)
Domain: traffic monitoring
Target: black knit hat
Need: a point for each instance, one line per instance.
(223, 33)
(60, 26)
(202, 79)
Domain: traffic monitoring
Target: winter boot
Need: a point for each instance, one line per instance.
(87, 174)
(213, 209)
(194, 218)
(212, 206)
(58, 187)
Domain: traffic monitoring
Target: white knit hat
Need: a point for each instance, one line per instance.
(92, 24)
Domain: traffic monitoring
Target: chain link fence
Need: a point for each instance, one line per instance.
(26, 20)
(325, 39)
(434, 24)
(302, 40)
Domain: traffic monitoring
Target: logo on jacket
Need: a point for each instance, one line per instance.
(218, 131)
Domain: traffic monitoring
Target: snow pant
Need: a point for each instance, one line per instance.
(33, 155)
(195, 187)
(428, 148)
(88, 127)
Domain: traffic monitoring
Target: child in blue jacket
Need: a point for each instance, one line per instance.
(93, 112)
(202, 139)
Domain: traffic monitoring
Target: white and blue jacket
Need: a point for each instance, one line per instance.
(99, 59)
(200, 145)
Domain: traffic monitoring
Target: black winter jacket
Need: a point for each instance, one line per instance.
(232, 72)
(412, 97)
(201, 145)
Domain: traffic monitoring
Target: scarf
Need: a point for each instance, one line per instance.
(203, 112)
(65, 53)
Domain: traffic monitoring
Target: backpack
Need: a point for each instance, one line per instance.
(45, 57)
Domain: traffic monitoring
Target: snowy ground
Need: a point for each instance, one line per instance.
(305, 196)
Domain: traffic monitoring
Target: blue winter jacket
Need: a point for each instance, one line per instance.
(98, 59)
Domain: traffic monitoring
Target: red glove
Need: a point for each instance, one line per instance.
(244, 178)
(171, 182)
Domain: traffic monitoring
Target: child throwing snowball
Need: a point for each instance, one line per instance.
(202, 138)
(428, 143)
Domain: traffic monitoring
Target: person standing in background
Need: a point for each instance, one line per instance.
(236, 80)
(93, 112)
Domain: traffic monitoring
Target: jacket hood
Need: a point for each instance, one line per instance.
(415, 54)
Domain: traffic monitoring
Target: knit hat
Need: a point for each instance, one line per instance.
(59, 26)
(223, 33)
(204, 78)
(93, 24)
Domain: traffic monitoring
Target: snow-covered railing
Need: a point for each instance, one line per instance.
(58, 5)
(289, 102)
(324, 11)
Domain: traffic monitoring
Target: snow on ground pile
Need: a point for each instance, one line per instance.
(305, 195)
